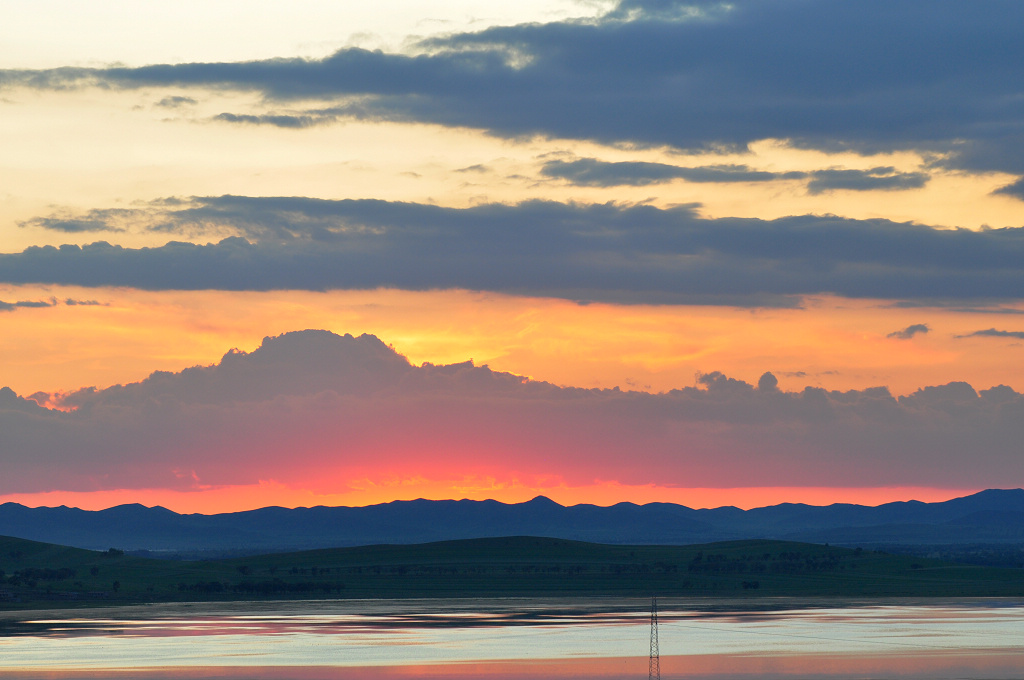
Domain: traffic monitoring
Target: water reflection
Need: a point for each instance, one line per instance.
(515, 639)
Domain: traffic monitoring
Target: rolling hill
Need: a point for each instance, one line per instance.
(34, 574)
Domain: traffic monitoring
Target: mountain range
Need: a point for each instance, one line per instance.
(993, 516)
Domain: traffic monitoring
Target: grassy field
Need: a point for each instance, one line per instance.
(37, 573)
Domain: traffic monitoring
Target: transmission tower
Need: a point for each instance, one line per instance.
(654, 665)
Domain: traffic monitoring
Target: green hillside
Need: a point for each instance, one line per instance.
(37, 573)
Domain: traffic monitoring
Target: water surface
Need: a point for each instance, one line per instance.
(517, 638)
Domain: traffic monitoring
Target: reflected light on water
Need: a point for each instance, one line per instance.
(514, 640)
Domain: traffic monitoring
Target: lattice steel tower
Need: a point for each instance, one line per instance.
(654, 665)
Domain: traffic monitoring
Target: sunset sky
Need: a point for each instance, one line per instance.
(700, 252)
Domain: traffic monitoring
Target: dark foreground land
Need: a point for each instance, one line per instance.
(34, 575)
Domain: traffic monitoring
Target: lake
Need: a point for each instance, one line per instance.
(517, 639)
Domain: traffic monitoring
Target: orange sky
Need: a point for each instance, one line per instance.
(831, 342)
(834, 343)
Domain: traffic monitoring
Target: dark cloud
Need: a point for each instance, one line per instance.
(278, 120)
(910, 331)
(30, 304)
(315, 406)
(939, 76)
(1016, 189)
(882, 178)
(592, 172)
(768, 383)
(979, 306)
(993, 333)
(52, 302)
(9, 401)
(606, 252)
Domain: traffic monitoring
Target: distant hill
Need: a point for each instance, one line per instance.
(34, 574)
(993, 517)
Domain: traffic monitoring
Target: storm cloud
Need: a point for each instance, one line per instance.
(316, 405)
(604, 252)
(936, 76)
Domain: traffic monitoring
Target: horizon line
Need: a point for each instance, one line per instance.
(538, 497)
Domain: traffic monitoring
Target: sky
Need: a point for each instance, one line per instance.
(314, 252)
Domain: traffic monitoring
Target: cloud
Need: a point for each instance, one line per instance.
(11, 402)
(936, 76)
(115, 220)
(599, 252)
(315, 409)
(973, 307)
(1016, 189)
(30, 304)
(768, 383)
(293, 121)
(910, 331)
(881, 178)
(70, 226)
(176, 102)
(40, 304)
(993, 333)
(595, 173)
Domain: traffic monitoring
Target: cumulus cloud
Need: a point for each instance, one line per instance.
(910, 331)
(11, 402)
(993, 333)
(315, 406)
(937, 76)
(605, 252)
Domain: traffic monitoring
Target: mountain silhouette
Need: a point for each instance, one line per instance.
(989, 516)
